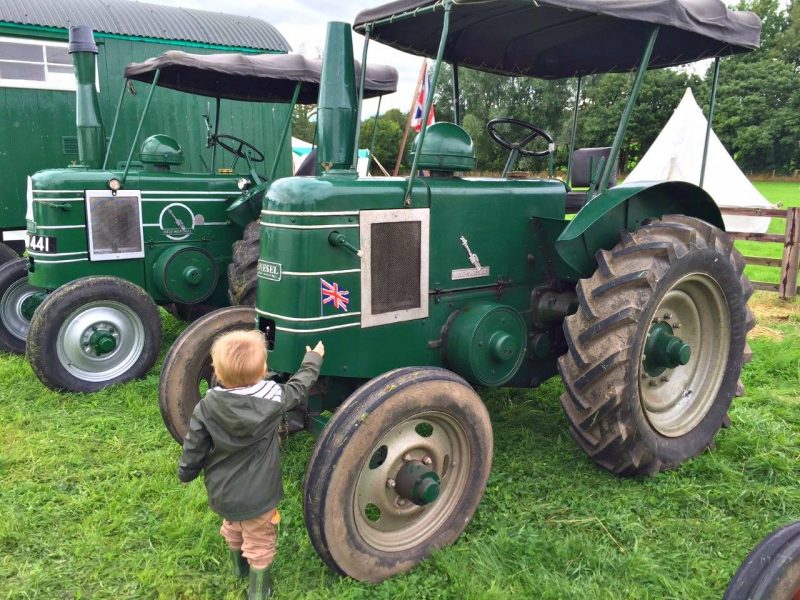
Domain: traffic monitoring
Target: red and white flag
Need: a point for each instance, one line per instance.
(424, 92)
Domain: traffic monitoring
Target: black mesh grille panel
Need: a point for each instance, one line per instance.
(395, 266)
(116, 224)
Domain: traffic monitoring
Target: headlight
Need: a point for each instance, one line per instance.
(114, 184)
(243, 183)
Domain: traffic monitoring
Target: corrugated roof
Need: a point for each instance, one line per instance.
(147, 20)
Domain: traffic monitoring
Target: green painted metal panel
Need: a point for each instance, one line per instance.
(37, 124)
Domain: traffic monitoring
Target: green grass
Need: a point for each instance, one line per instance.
(92, 508)
(788, 194)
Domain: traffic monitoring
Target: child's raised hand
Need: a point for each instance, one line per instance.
(319, 348)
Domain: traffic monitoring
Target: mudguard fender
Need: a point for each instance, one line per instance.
(601, 221)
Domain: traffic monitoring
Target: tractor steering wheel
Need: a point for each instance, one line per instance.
(535, 132)
(238, 152)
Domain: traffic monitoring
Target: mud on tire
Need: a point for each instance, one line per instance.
(607, 386)
(243, 269)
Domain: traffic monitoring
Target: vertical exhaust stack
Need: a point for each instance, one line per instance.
(91, 135)
(337, 110)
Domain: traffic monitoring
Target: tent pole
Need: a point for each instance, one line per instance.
(626, 114)
(285, 132)
(574, 132)
(456, 96)
(374, 134)
(711, 106)
(408, 120)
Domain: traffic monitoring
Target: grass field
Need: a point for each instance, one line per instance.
(92, 508)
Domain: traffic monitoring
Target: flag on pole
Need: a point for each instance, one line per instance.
(424, 92)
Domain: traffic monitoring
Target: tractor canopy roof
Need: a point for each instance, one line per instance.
(553, 39)
(251, 77)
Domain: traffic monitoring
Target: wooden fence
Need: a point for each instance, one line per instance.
(787, 287)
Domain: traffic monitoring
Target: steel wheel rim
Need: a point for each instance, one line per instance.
(115, 318)
(403, 526)
(676, 401)
(11, 308)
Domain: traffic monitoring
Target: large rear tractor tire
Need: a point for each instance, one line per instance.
(772, 570)
(92, 333)
(398, 472)
(187, 372)
(243, 269)
(7, 253)
(18, 301)
(657, 346)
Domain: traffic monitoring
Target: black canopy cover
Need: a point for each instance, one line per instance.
(251, 77)
(553, 39)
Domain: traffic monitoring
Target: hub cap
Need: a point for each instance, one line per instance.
(100, 341)
(14, 308)
(684, 357)
(411, 481)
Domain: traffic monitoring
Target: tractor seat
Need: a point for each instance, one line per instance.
(584, 164)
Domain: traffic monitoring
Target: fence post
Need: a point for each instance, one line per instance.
(791, 255)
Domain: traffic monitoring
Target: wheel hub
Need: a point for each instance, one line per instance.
(102, 341)
(664, 350)
(418, 483)
(30, 304)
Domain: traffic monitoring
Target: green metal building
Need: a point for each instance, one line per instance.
(37, 86)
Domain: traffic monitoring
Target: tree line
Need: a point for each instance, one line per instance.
(757, 114)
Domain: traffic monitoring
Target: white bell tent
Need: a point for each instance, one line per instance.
(677, 155)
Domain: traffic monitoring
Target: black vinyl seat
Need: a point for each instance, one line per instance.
(585, 164)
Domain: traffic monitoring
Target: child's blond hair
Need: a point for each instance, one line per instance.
(239, 358)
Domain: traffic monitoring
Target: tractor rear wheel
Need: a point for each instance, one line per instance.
(18, 300)
(398, 471)
(243, 268)
(92, 333)
(656, 347)
(7, 253)
(772, 570)
(187, 372)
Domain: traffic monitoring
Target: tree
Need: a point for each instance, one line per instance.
(387, 139)
(302, 126)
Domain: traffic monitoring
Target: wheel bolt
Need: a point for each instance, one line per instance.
(667, 316)
(653, 383)
(664, 378)
(408, 457)
(427, 460)
(676, 325)
(391, 483)
(401, 502)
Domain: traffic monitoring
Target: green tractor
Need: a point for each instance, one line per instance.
(423, 288)
(107, 245)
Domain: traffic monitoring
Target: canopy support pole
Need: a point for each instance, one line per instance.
(456, 96)
(626, 114)
(114, 126)
(448, 5)
(711, 107)
(285, 132)
(141, 123)
(574, 132)
(374, 134)
(361, 94)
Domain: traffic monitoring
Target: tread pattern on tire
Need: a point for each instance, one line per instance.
(599, 336)
(243, 268)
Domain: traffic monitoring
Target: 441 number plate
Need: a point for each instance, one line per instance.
(41, 243)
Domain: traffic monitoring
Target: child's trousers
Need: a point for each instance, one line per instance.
(254, 537)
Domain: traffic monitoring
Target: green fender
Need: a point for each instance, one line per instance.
(601, 221)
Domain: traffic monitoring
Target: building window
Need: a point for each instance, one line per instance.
(28, 63)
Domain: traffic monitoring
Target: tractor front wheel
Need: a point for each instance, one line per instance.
(243, 268)
(772, 570)
(92, 333)
(18, 301)
(657, 346)
(7, 253)
(187, 372)
(398, 471)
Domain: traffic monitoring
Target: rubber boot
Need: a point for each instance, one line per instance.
(260, 585)
(239, 564)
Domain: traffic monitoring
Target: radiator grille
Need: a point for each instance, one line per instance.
(116, 225)
(395, 266)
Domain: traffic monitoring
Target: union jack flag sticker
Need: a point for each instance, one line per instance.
(336, 298)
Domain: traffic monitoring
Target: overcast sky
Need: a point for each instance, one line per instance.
(303, 24)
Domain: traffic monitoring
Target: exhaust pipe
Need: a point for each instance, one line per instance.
(91, 135)
(337, 110)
